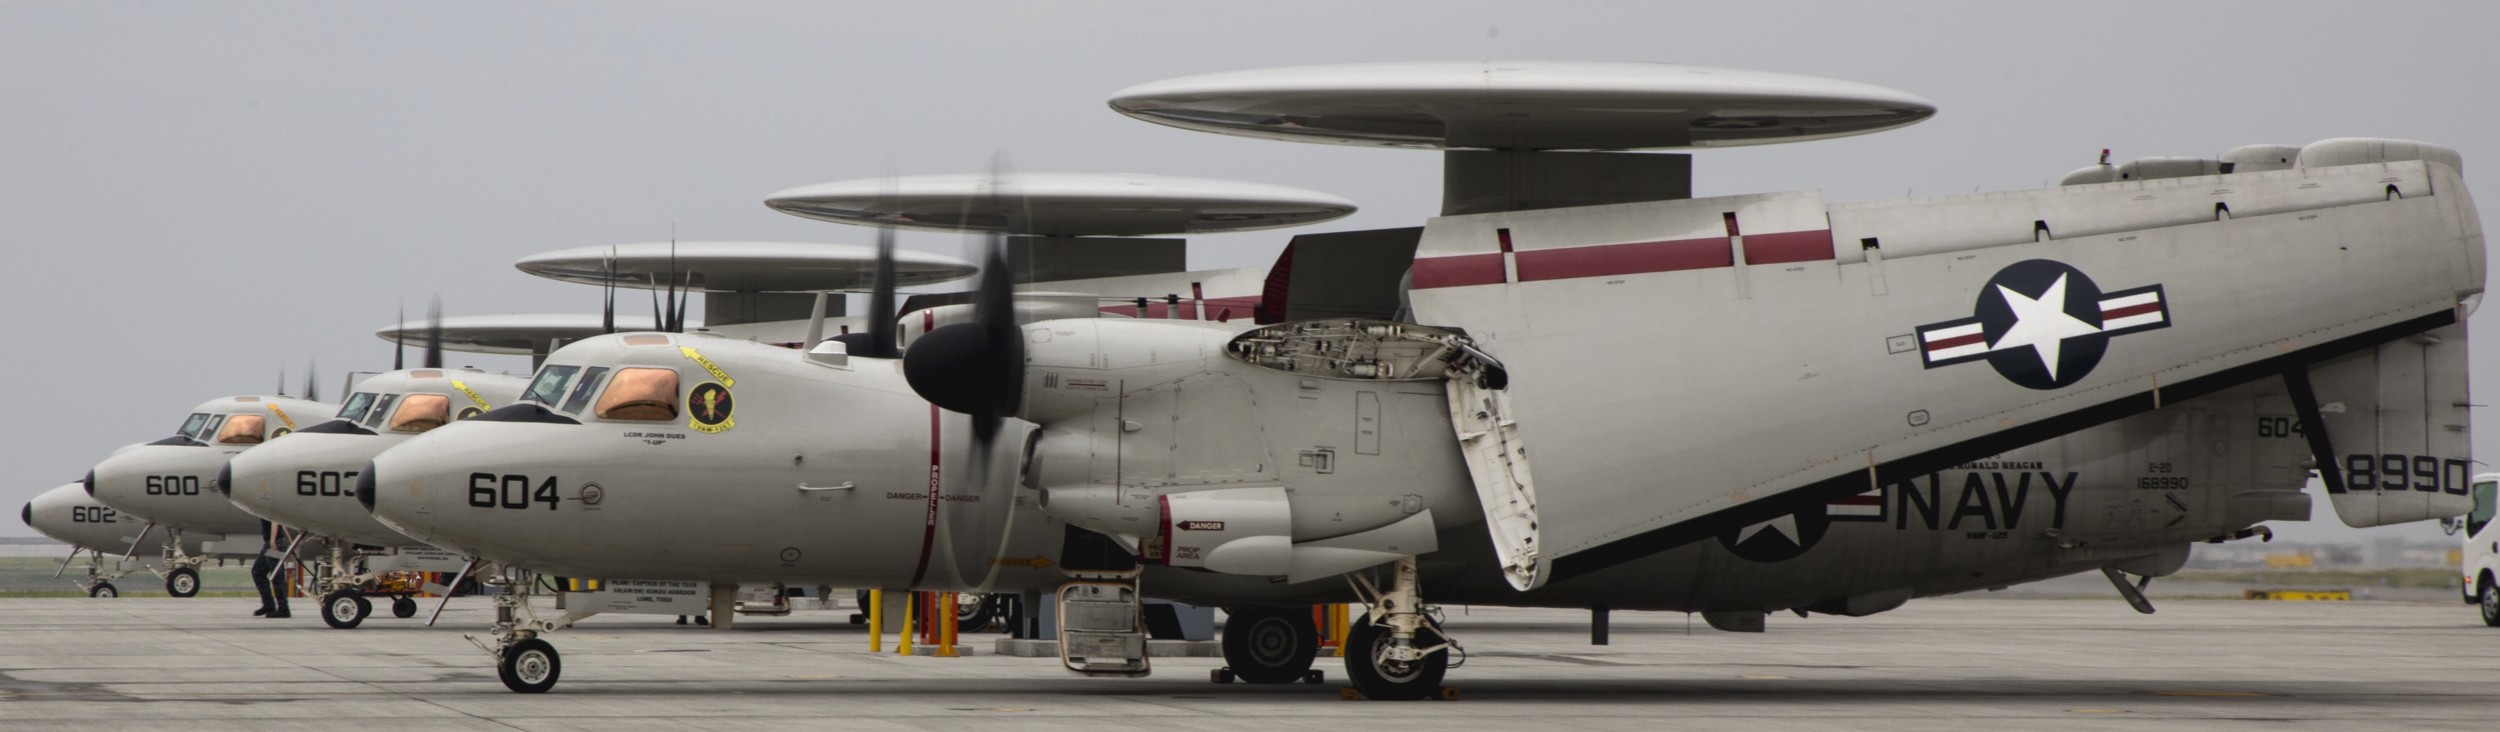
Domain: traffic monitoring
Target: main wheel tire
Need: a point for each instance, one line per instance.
(403, 607)
(104, 589)
(974, 613)
(182, 582)
(530, 667)
(344, 609)
(1380, 680)
(2490, 604)
(1270, 645)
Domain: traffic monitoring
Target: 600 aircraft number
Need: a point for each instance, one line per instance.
(489, 490)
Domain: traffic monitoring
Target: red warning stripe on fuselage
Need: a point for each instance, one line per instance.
(1610, 260)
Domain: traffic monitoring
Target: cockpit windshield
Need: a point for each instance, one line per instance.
(381, 407)
(421, 412)
(242, 429)
(356, 405)
(641, 395)
(588, 385)
(214, 421)
(548, 388)
(191, 426)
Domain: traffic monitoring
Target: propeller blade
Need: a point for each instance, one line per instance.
(607, 292)
(399, 343)
(977, 367)
(434, 334)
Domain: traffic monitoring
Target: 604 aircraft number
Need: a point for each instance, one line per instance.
(490, 490)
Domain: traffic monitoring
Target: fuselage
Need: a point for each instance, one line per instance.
(824, 476)
(173, 481)
(307, 481)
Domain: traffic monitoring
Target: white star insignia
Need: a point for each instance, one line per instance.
(1785, 525)
(2041, 323)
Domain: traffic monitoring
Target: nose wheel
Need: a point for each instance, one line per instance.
(182, 582)
(345, 609)
(104, 589)
(1396, 651)
(529, 666)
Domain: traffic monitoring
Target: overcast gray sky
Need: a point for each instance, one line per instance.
(194, 195)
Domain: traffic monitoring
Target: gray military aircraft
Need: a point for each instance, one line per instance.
(1243, 464)
(308, 480)
(66, 513)
(171, 483)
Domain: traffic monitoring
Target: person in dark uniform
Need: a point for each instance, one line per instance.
(272, 594)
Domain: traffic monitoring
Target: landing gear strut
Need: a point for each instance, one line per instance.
(1396, 651)
(526, 663)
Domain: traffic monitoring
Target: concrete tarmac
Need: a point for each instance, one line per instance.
(1979, 663)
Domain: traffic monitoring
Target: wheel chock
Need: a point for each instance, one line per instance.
(1347, 693)
(1449, 693)
(1315, 676)
(1219, 676)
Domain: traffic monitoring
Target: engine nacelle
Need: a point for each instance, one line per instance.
(2260, 158)
(2360, 150)
(1231, 530)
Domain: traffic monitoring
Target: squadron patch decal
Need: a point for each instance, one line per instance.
(709, 407)
(2042, 324)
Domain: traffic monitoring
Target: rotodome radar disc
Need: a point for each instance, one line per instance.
(1061, 204)
(1522, 105)
(742, 266)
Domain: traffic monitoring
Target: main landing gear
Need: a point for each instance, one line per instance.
(1396, 651)
(1268, 645)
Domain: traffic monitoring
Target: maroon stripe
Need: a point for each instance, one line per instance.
(928, 530)
(1788, 246)
(2150, 307)
(1622, 259)
(1956, 341)
(1504, 236)
(1459, 271)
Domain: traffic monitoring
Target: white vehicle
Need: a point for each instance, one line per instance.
(2481, 565)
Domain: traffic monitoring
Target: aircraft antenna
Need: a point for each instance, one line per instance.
(312, 383)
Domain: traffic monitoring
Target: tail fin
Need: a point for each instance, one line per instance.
(2389, 429)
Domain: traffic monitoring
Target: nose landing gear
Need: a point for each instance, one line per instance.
(345, 608)
(182, 582)
(1396, 651)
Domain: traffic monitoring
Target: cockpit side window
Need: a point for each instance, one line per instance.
(421, 412)
(640, 395)
(591, 379)
(356, 405)
(2484, 507)
(381, 406)
(548, 388)
(214, 420)
(242, 429)
(193, 425)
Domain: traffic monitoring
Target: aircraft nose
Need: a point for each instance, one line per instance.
(89, 482)
(27, 514)
(364, 487)
(225, 480)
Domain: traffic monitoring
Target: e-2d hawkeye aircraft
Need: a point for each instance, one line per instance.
(307, 481)
(1254, 456)
(664, 472)
(171, 483)
(66, 513)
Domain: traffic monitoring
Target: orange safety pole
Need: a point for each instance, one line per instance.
(1344, 626)
(946, 628)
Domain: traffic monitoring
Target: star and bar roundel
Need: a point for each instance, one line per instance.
(2042, 324)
